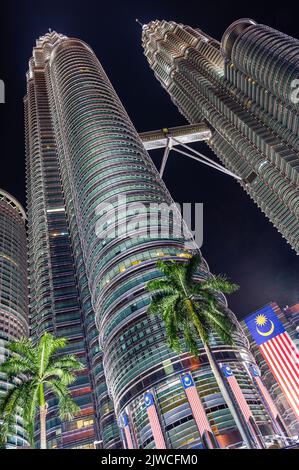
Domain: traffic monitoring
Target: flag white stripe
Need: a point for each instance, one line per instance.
(128, 437)
(291, 343)
(281, 371)
(277, 372)
(240, 397)
(156, 427)
(267, 397)
(280, 366)
(285, 359)
(290, 354)
(288, 344)
(197, 410)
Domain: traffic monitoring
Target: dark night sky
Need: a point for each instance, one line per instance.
(238, 239)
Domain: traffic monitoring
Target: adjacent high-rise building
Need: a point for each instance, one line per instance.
(92, 189)
(245, 89)
(287, 316)
(13, 291)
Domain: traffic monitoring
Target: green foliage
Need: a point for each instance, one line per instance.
(190, 309)
(31, 368)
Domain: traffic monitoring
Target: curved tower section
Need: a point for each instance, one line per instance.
(111, 188)
(60, 297)
(244, 88)
(13, 290)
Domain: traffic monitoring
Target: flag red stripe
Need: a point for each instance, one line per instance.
(291, 356)
(276, 372)
(291, 348)
(240, 397)
(279, 375)
(280, 357)
(284, 358)
(197, 410)
(291, 343)
(281, 363)
(156, 427)
(128, 438)
(267, 397)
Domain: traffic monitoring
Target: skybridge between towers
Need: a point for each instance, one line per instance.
(178, 140)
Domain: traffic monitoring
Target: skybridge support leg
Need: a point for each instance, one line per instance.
(165, 157)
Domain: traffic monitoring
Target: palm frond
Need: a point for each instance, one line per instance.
(171, 270)
(7, 427)
(190, 308)
(67, 405)
(161, 284)
(14, 397)
(192, 266)
(219, 284)
(160, 300)
(23, 348)
(190, 337)
(13, 404)
(17, 365)
(221, 324)
(67, 362)
(47, 347)
(66, 377)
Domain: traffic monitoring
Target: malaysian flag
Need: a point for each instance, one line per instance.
(196, 405)
(238, 394)
(278, 350)
(264, 392)
(154, 421)
(244, 407)
(127, 432)
(269, 403)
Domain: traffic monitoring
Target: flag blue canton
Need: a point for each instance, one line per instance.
(226, 370)
(187, 381)
(264, 325)
(125, 419)
(148, 400)
(254, 371)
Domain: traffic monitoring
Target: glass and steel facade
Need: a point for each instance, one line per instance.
(60, 298)
(13, 290)
(243, 89)
(89, 284)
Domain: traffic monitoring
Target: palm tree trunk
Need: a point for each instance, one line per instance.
(42, 417)
(220, 381)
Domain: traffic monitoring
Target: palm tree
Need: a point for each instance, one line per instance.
(192, 310)
(34, 370)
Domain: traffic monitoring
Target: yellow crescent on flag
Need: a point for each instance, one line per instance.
(266, 333)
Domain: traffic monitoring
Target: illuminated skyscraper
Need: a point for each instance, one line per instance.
(60, 297)
(86, 162)
(13, 289)
(245, 89)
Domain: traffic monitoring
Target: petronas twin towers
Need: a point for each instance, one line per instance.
(83, 152)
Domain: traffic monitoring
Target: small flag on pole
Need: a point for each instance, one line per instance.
(154, 421)
(269, 403)
(127, 431)
(228, 373)
(263, 391)
(197, 408)
(244, 407)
